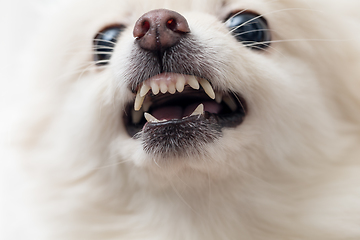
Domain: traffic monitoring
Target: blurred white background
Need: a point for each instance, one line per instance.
(19, 21)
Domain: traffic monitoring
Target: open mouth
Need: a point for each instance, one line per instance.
(171, 99)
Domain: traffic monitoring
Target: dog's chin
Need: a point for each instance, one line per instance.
(157, 172)
(177, 147)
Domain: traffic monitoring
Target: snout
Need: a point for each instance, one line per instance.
(160, 29)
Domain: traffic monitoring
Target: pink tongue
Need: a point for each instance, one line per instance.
(211, 107)
(168, 113)
(177, 112)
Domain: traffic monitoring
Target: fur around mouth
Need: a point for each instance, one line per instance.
(168, 100)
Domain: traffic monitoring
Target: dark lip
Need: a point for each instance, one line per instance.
(223, 121)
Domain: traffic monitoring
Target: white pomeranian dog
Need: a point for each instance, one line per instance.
(190, 120)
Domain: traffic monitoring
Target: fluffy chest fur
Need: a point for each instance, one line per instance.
(195, 120)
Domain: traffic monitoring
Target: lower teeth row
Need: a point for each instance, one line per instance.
(137, 115)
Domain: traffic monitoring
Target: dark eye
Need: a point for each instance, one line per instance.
(104, 43)
(250, 29)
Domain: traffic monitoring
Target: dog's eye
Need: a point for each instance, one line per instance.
(250, 29)
(104, 43)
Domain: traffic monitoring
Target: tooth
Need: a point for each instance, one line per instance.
(154, 88)
(147, 105)
(150, 118)
(136, 116)
(193, 82)
(180, 84)
(144, 90)
(218, 97)
(230, 102)
(199, 110)
(138, 101)
(207, 88)
(163, 88)
(172, 88)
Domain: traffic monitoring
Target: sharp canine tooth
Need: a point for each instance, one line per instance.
(199, 110)
(230, 102)
(154, 88)
(150, 118)
(207, 88)
(171, 88)
(218, 97)
(138, 101)
(136, 116)
(193, 82)
(180, 83)
(163, 88)
(144, 90)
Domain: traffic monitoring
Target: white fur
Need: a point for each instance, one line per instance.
(291, 170)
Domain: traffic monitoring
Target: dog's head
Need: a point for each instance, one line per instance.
(189, 88)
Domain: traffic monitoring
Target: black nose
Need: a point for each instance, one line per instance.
(160, 29)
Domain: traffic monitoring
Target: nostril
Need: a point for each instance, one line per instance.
(171, 24)
(145, 26)
(178, 24)
(141, 29)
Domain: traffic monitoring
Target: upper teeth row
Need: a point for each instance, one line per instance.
(165, 86)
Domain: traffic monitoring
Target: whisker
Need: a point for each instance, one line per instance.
(105, 41)
(156, 163)
(252, 31)
(85, 69)
(182, 199)
(266, 49)
(209, 185)
(103, 47)
(245, 10)
(236, 14)
(102, 62)
(276, 11)
(80, 69)
(113, 165)
(239, 101)
(102, 51)
(302, 40)
(73, 53)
